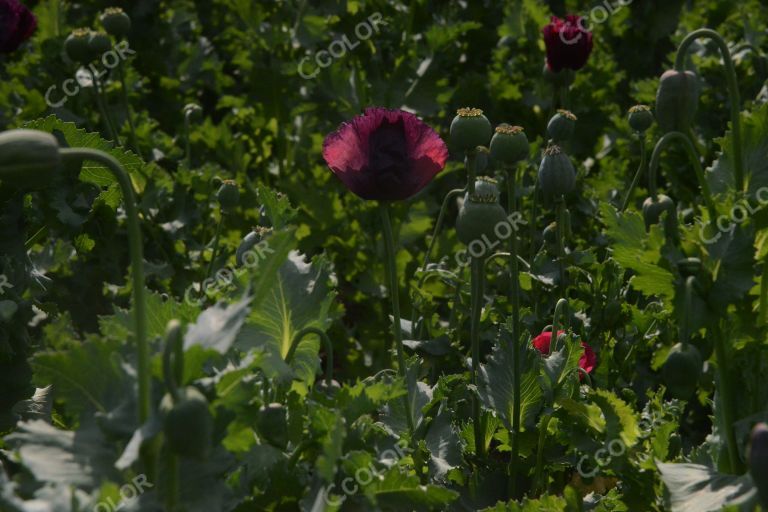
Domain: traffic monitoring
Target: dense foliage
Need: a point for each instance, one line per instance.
(323, 334)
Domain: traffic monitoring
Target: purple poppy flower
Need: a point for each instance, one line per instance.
(385, 154)
(17, 24)
(568, 43)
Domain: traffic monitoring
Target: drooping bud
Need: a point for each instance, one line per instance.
(28, 158)
(653, 207)
(509, 144)
(228, 196)
(469, 129)
(640, 118)
(557, 176)
(682, 370)
(115, 21)
(689, 266)
(561, 126)
(677, 100)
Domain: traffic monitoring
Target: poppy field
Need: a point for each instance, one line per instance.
(373, 255)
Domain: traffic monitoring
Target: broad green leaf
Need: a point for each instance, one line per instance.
(398, 491)
(217, 326)
(620, 418)
(696, 488)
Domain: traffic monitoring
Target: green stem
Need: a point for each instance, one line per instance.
(328, 349)
(763, 311)
(137, 268)
(733, 92)
(560, 224)
(391, 265)
(476, 284)
(537, 478)
(127, 106)
(216, 238)
(638, 173)
(173, 359)
(101, 104)
(726, 399)
(172, 492)
(534, 212)
(693, 156)
(188, 150)
(561, 309)
(469, 162)
(515, 299)
(685, 334)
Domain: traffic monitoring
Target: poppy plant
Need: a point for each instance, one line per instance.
(587, 361)
(17, 24)
(385, 154)
(568, 43)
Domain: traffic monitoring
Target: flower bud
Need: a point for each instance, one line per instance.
(479, 216)
(689, 267)
(640, 118)
(509, 144)
(682, 370)
(557, 176)
(677, 100)
(228, 196)
(187, 423)
(76, 45)
(28, 158)
(469, 129)
(560, 127)
(98, 44)
(654, 207)
(115, 22)
(758, 461)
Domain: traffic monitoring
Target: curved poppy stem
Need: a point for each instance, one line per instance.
(693, 156)
(560, 312)
(476, 284)
(390, 260)
(733, 92)
(439, 224)
(638, 173)
(328, 349)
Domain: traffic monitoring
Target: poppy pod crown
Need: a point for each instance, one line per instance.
(385, 154)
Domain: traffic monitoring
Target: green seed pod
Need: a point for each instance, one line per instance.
(560, 127)
(28, 159)
(640, 118)
(557, 176)
(228, 196)
(487, 187)
(509, 144)
(272, 424)
(682, 370)
(758, 461)
(478, 219)
(550, 235)
(115, 22)
(187, 423)
(469, 129)
(677, 100)
(76, 45)
(99, 43)
(654, 207)
(689, 266)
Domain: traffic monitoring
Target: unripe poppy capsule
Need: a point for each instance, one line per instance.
(115, 22)
(28, 158)
(557, 176)
(469, 129)
(640, 118)
(76, 45)
(682, 370)
(561, 126)
(98, 44)
(480, 217)
(228, 196)
(509, 144)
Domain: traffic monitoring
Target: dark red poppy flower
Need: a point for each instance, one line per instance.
(385, 154)
(587, 361)
(17, 24)
(568, 43)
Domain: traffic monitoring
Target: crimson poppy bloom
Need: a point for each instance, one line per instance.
(587, 361)
(17, 23)
(385, 154)
(568, 43)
